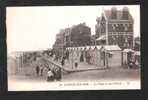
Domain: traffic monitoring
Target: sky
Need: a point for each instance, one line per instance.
(35, 28)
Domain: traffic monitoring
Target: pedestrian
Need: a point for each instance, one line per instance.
(37, 70)
(76, 62)
(54, 56)
(63, 61)
(42, 71)
(50, 75)
(81, 57)
(57, 73)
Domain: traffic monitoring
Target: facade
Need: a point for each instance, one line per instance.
(77, 35)
(115, 27)
(58, 46)
(80, 35)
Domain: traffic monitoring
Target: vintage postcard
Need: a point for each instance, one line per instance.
(73, 47)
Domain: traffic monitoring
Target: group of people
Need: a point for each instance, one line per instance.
(132, 60)
(52, 73)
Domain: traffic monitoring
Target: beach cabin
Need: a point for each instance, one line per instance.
(87, 54)
(81, 54)
(92, 54)
(127, 55)
(111, 55)
(97, 57)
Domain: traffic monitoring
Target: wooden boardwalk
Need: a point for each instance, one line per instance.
(68, 69)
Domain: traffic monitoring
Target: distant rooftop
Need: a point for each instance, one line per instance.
(119, 15)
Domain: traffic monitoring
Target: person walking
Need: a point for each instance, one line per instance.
(81, 57)
(63, 61)
(37, 70)
(76, 62)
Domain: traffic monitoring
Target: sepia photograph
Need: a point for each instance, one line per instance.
(73, 47)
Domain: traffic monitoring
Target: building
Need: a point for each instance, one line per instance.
(58, 46)
(77, 35)
(80, 35)
(115, 27)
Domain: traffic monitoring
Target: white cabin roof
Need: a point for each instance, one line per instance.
(128, 50)
(111, 47)
(82, 48)
(92, 47)
(98, 47)
(87, 47)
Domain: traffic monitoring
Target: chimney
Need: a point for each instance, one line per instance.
(114, 13)
(125, 13)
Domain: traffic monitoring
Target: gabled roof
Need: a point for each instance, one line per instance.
(119, 15)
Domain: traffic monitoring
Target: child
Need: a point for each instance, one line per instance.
(50, 76)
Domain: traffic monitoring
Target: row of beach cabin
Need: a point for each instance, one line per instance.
(106, 55)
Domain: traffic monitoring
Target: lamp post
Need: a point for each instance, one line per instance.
(71, 45)
(71, 53)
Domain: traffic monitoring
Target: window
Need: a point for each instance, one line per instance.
(125, 27)
(114, 27)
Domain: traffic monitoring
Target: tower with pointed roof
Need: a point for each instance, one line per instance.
(115, 27)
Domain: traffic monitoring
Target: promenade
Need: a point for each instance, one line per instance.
(69, 67)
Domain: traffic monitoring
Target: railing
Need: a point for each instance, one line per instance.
(52, 64)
